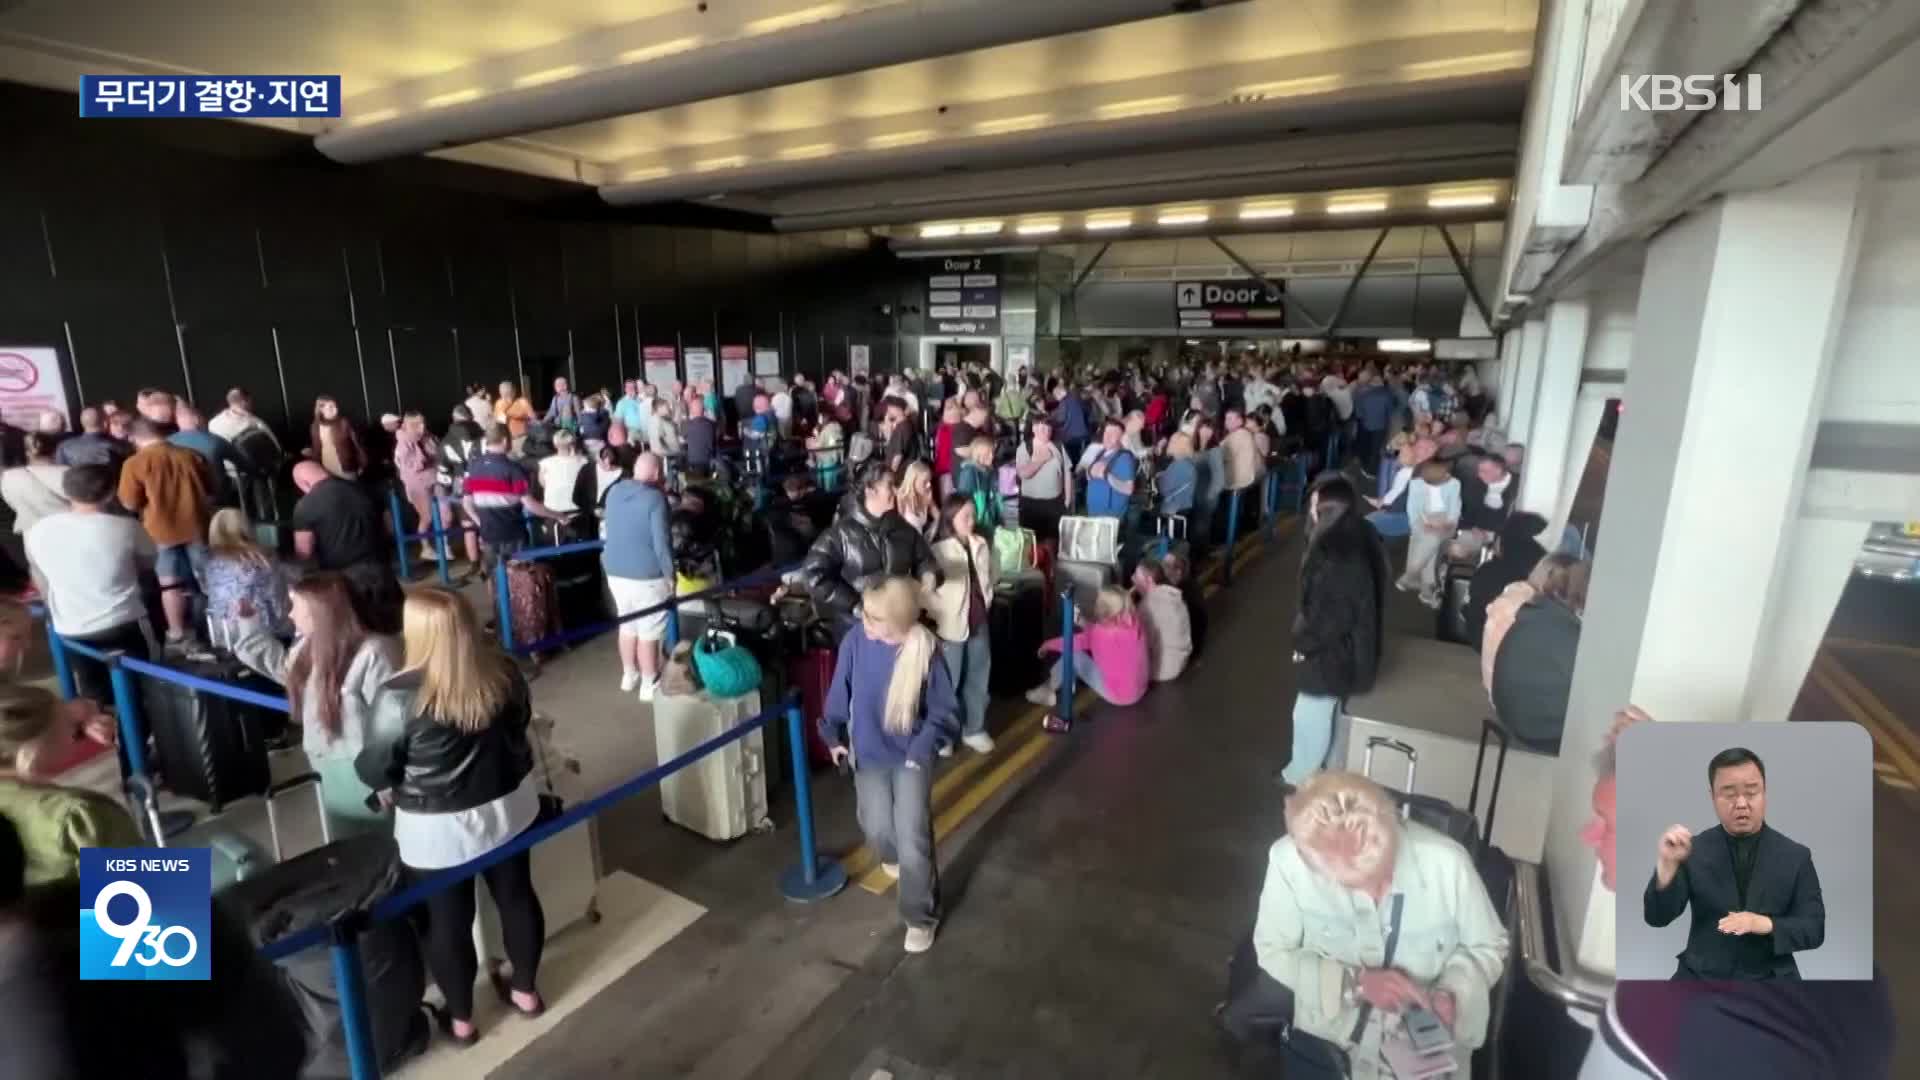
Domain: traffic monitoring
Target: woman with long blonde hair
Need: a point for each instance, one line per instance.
(889, 708)
(459, 776)
(915, 500)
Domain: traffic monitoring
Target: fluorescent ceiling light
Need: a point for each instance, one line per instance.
(733, 161)
(981, 228)
(655, 52)
(1367, 206)
(900, 138)
(1140, 107)
(1285, 87)
(1184, 217)
(1012, 123)
(1456, 200)
(795, 18)
(1037, 228)
(549, 75)
(801, 153)
(653, 172)
(1469, 65)
(1110, 222)
(373, 117)
(935, 232)
(1265, 211)
(1403, 345)
(471, 93)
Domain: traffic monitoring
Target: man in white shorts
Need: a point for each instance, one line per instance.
(638, 558)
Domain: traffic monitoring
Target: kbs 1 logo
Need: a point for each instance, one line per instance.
(146, 914)
(1689, 93)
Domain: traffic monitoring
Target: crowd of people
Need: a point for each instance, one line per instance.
(915, 505)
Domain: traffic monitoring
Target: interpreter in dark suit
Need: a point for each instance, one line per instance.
(1754, 893)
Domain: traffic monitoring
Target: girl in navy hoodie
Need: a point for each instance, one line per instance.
(889, 708)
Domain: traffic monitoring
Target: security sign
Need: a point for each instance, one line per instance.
(1229, 305)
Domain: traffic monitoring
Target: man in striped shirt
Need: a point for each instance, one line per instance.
(499, 497)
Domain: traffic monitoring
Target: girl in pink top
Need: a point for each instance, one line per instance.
(1110, 656)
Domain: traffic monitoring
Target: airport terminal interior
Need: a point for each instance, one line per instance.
(1096, 327)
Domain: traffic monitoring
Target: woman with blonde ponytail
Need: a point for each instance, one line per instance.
(889, 708)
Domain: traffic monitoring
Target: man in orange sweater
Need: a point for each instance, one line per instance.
(169, 487)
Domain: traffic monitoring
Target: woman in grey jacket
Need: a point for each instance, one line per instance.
(335, 672)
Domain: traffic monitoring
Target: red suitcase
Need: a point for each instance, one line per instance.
(809, 673)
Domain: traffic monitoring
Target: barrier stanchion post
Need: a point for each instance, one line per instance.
(350, 986)
(62, 667)
(1233, 531)
(1274, 487)
(439, 528)
(394, 514)
(126, 706)
(814, 878)
(503, 603)
(673, 627)
(1068, 688)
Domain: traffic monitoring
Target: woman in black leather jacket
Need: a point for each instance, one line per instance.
(866, 544)
(457, 768)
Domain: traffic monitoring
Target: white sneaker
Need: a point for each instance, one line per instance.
(981, 743)
(919, 938)
(946, 749)
(1042, 696)
(647, 688)
(891, 869)
(1403, 586)
(629, 682)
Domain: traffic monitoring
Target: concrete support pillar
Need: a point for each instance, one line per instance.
(1512, 345)
(1526, 380)
(1701, 552)
(1589, 408)
(1549, 437)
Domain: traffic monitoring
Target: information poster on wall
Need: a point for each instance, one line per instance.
(1019, 357)
(963, 296)
(661, 365)
(733, 367)
(30, 384)
(699, 365)
(859, 360)
(766, 361)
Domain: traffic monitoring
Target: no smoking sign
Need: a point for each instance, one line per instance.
(18, 374)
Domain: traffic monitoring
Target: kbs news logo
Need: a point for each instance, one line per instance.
(146, 913)
(1689, 93)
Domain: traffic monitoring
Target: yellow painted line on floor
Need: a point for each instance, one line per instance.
(1889, 774)
(1906, 766)
(1857, 645)
(949, 784)
(1897, 729)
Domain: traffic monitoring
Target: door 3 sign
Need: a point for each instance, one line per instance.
(1206, 305)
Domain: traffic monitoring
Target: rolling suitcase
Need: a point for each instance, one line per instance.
(1452, 621)
(1086, 579)
(208, 748)
(566, 867)
(579, 588)
(312, 890)
(1016, 625)
(809, 673)
(1460, 826)
(724, 795)
(531, 602)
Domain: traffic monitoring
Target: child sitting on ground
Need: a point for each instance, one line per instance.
(1110, 657)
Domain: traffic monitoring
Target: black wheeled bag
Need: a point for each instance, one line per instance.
(312, 890)
(1461, 826)
(1016, 625)
(210, 748)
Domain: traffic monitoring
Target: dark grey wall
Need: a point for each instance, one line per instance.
(197, 255)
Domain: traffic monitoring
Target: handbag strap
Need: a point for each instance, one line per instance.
(1393, 942)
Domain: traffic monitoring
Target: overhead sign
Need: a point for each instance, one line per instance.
(859, 359)
(661, 363)
(963, 296)
(733, 367)
(30, 384)
(766, 362)
(1228, 305)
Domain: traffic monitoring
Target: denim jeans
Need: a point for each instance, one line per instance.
(969, 662)
(1085, 671)
(1390, 523)
(1313, 720)
(895, 806)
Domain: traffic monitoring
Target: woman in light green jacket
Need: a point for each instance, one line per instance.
(335, 673)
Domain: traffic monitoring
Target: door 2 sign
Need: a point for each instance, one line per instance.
(1206, 305)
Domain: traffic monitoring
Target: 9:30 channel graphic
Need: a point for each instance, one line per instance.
(146, 914)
